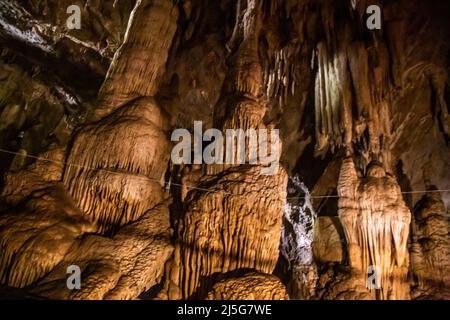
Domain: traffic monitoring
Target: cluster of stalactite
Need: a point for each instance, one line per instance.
(237, 222)
(351, 89)
(376, 225)
(286, 59)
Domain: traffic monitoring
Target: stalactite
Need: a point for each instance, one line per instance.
(281, 75)
(351, 91)
(376, 224)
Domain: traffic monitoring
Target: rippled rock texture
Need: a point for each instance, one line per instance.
(357, 206)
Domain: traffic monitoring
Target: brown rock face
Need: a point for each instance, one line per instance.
(328, 243)
(253, 286)
(121, 267)
(376, 224)
(301, 91)
(430, 247)
(115, 166)
(44, 229)
(235, 225)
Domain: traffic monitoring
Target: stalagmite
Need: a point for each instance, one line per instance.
(140, 61)
(120, 161)
(237, 222)
(430, 252)
(235, 225)
(114, 172)
(376, 224)
(122, 179)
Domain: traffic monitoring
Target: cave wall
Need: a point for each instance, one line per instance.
(86, 117)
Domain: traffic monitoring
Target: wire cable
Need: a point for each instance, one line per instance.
(63, 163)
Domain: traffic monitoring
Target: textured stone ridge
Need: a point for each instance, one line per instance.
(121, 267)
(252, 286)
(140, 61)
(116, 166)
(35, 236)
(430, 248)
(376, 224)
(85, 171)
(235, 225)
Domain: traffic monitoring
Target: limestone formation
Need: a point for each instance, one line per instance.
(253, 286)
(376, 225)
(121, 267)
(430, 247)
(122, 179)
(114, 172)
(234, 225)
(329, 242)
(357, 124)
